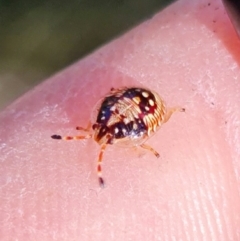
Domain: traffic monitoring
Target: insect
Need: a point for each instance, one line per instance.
(125, 115)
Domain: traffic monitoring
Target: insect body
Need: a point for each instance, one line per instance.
(129, 116)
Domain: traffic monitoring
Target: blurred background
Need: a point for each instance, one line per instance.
(38, 38)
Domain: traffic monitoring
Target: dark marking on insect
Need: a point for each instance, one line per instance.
(125, 115)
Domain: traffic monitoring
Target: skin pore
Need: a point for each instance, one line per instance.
(189, 54)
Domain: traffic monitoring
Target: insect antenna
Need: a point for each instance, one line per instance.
(68, 138)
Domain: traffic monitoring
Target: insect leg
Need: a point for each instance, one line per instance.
(171, 111)
(99, 165)
(144, 146)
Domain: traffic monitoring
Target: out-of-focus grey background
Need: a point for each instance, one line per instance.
(38, 38)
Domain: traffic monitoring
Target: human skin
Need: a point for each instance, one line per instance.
(189, 54)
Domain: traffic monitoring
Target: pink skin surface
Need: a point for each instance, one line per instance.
(189, 54)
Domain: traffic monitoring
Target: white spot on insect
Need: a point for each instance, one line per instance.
(126, 121)
(151, 102)
(135, 114)
(145, 94)
(124, 131)
(135, 126)
(103, 118)
(116, 130)
(113, 108)
(147, 108)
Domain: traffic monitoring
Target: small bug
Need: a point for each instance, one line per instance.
(125, 115)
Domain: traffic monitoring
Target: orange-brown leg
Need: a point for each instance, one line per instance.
(144, 146)
(99, 165)
(171, 111)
